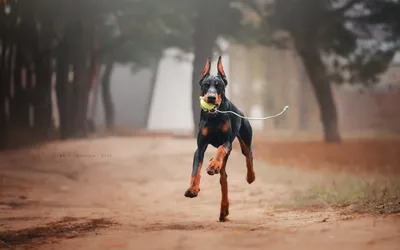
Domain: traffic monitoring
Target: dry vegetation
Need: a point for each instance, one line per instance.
(356, 156)
(363, 174)
(356, 195)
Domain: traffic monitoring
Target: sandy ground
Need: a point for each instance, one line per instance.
(128, 193)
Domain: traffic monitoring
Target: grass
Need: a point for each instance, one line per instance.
(349, 192)
(355, 156)
(361, 174)
(378, 195)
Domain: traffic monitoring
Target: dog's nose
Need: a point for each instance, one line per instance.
(211, 99)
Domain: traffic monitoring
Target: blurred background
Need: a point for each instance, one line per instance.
(71, 68)
(94, 77)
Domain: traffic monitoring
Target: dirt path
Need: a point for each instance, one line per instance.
(127, 193)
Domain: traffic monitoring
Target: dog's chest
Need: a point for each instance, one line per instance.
(219, 132)
(219, 127)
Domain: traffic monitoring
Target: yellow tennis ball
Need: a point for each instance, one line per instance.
(206, 106)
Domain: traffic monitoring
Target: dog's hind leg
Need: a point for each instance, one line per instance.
(245, 137)
(223, 180)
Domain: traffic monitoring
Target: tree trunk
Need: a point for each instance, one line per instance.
(63, 90)
(73, 97)
(94, 101)
(81, 88)
(204, 39)
(106, 94)
(81, 35)
(42, 96)
(3, 96)
(20, 99)
(95, 68)
(323, 92)
(42, 103)
(3, 115)
(154, 71)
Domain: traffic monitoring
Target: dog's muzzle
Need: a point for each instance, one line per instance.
(212, 98)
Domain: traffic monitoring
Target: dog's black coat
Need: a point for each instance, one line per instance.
(239, 128)
(220, 130)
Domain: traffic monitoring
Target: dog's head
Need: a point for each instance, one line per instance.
(213, 87)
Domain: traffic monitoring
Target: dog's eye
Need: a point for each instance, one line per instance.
(207, 84)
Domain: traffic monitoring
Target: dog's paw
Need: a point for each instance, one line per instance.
(251, 176)
(224, 213)
(191, 193)
(214, 167)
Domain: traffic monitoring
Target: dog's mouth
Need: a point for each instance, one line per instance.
(214, 111)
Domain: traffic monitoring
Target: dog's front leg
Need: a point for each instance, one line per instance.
(215, 165)
(194, 188)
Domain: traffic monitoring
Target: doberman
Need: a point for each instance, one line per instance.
(219, 130)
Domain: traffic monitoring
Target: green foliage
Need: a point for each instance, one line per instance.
(229, 19)
(132, 31)
(333, 28)
(372, 62)
(137, 32)
(155, 25)
(150, 28)
(384, 13)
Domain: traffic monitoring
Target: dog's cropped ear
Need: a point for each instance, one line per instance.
(221, 71)
(206, 70)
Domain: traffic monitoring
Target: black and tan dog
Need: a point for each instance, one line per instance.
(219, 130)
